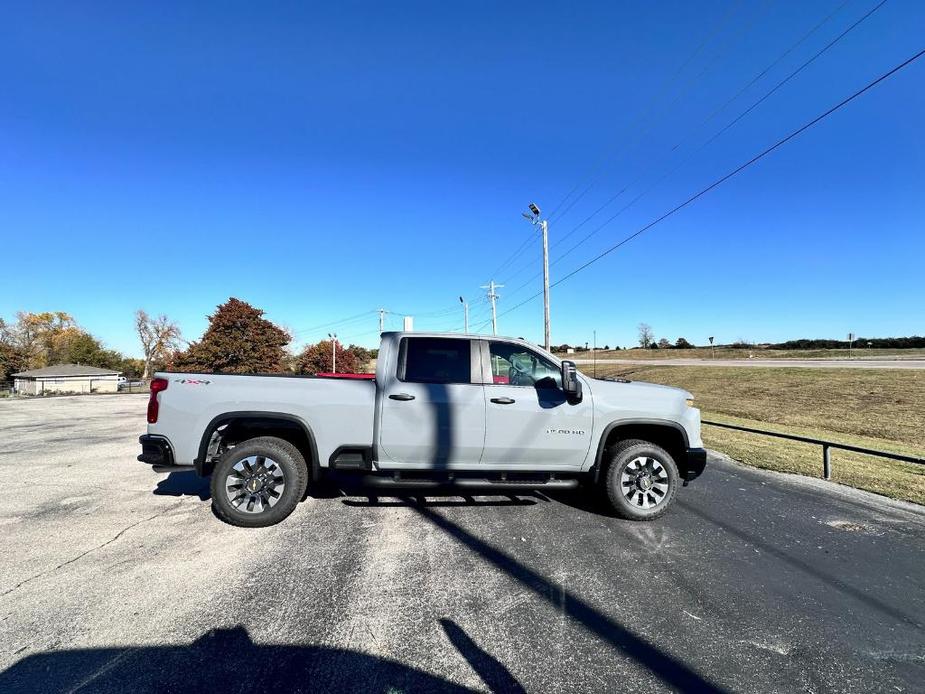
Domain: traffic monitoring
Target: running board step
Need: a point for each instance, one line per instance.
(382, 481)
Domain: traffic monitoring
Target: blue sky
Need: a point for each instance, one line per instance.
(323, 160)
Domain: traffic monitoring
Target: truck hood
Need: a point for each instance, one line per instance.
(640, 392)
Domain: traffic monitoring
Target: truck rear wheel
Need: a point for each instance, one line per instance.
(258, 482)
(641, 480)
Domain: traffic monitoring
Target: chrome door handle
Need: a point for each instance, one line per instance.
(503, 401)
(401, 396)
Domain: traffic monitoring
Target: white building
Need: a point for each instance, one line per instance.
(66, 378)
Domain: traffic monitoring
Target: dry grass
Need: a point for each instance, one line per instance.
(876, 408)
(756, 352)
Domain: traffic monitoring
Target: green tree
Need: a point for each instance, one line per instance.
(12, 358)
(38, 335)
(73, 345)
(238, 340)
(132, 368)
(681, 343)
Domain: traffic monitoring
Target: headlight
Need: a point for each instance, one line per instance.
(690, 402)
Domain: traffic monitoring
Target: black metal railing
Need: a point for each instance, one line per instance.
(826, 445)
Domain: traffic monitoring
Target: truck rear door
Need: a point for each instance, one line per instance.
(433, 405)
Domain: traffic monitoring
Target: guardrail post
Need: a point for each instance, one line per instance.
(826, 463)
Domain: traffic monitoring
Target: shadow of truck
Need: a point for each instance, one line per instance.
(220, 660)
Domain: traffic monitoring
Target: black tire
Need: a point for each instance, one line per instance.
(292, 472)
(630, 501)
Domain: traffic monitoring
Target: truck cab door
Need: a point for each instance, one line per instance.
(432, 406)
(529, 421)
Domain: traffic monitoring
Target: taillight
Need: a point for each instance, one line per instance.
(157, 385)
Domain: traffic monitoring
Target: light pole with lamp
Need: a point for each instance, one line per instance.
(333, 337)
(534, 218)
(466, 311)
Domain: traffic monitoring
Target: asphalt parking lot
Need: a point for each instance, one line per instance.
(114, 578)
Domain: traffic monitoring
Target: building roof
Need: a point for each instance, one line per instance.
(59, 370)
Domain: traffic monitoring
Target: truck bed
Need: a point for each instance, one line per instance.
(340, 410)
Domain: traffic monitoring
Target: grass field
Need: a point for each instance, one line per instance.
(757, 353)
(882, 409)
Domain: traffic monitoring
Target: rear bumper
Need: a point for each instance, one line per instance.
(695, 462)
(156, 451)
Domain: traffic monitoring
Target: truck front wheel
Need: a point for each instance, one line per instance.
(640, 480)
(258, 482)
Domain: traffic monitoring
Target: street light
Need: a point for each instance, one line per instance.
(333, 337)
(466, 310)
(534, 219)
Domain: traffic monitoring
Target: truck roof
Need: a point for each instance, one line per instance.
(461, 336)
(398, 334)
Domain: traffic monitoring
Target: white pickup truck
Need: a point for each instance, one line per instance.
(442, 412)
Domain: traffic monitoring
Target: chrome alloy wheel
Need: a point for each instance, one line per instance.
(644, 482)
(255, 484)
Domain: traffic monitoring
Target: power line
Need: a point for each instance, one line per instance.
(333, 323)
(687, 88)
(360, 317)
(775, 63)
(512, 257)
(737, 118)
(744, 113)
(666, 86)
(796, 72)
(729, 175)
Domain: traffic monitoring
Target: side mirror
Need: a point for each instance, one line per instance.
(570, 383)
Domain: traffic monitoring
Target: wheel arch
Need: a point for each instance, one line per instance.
(666, 433)
(247, 424)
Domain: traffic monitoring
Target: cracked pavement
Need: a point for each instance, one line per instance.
(114, 578)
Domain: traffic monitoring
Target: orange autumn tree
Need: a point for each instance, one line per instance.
(318, 358)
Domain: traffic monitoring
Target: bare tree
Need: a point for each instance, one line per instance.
(646, 336)
(159, 338)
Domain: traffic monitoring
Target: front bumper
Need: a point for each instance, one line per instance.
(156, 451)
(695, 462)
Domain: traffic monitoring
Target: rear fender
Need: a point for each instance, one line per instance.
(249, 424)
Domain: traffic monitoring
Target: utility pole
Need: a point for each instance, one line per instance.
(534, 218)
(466, 310)
(545, 226)
(381, 320)
(492, 297)
(333, 352)
(594, 353)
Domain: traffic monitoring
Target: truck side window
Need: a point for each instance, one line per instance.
(436, 360)
(517, 366)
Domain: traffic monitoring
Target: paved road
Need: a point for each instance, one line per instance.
(116, 579)
(775, 363)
